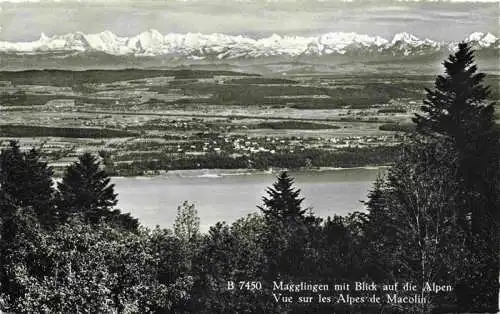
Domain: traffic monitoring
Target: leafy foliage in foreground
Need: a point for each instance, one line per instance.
(81, 268)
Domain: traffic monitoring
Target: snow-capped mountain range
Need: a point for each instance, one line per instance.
(196, 46)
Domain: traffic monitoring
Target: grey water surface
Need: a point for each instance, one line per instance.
(224, 195)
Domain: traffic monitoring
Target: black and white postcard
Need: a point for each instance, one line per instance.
(249, 156)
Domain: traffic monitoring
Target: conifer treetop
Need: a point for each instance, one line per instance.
(456, 108)
(85, 186)
(283, 201)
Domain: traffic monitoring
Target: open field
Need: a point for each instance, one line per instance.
(146, 121)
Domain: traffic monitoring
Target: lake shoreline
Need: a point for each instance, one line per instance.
(220, 172)
(229, 196)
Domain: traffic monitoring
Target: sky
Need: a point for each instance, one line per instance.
(25, 20)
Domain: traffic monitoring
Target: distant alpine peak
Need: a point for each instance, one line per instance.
(220, 46)
(404, 37)
(483, 39)
(43, 37)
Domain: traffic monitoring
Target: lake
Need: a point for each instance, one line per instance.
(226, 195)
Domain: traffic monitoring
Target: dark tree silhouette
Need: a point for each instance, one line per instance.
(287, 240)
(86, 190)
(456, 108)
(445, 188)
(376, 201)
(458, 112)
(26, 181)
(283, 201)
(380, 232)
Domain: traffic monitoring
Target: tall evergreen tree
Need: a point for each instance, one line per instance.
(287, 237)
(26, 181)
(283, 202)
(380, 233)
(456, 108)
(442, 194)
(376, 203)
(457, 111)
(86, 190)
